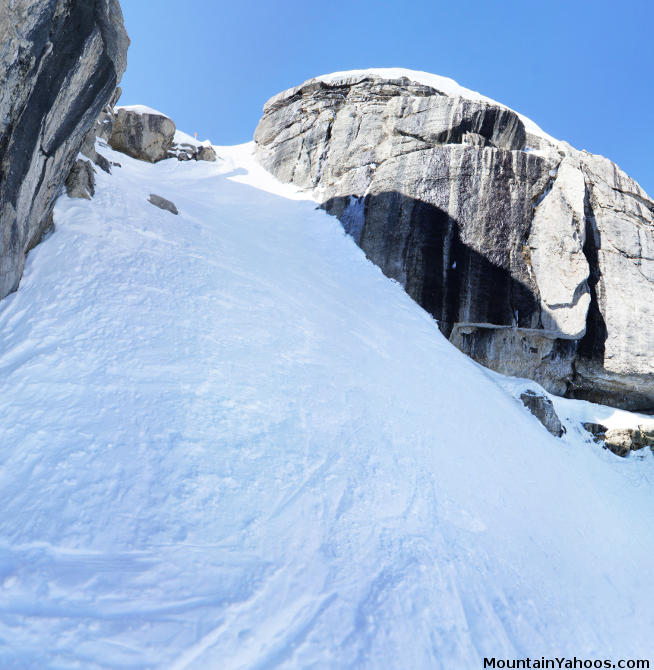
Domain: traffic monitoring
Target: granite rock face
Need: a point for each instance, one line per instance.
(536, 259)
(145, 135)
(60, 62)
(101, 130)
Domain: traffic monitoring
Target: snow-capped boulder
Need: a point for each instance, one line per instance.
(142, 133)
(535, 258)
(60, 63)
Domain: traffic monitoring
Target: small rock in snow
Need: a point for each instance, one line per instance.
(162, 203)
(543, 409)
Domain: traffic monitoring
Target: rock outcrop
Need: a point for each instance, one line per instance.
(142, 133)
(196, 151)
(622, 441)
(80, 182)
(101, 130)
(148, 135)
(543, 409)
(60, 62)
(536, 259)
(206, 153)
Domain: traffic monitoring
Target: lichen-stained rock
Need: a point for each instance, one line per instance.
(622, 441)
(535, 258)
(60, 62)
(142, 133)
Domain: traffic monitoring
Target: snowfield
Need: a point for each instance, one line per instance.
(228, 441)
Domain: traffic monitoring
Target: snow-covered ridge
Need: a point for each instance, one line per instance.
(443, 84)
(184, 138)
(141, 109)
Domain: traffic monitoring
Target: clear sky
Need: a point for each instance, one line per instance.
(581, 69)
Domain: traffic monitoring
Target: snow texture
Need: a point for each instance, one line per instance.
(228, 441)
(141, 109)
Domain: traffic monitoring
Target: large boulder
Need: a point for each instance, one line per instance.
(60, 62)
(535, 258)
(142, 133)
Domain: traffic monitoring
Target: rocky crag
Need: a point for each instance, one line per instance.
(60, 63)
(148, 135)
(536, 259)
(139, 132)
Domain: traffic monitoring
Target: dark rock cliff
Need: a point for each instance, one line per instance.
(60, 62)
(536, 259)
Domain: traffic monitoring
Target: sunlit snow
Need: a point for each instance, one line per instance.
(228, 441)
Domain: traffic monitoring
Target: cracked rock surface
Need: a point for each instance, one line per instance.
(146, 136)
(536, 259)
(60, 62)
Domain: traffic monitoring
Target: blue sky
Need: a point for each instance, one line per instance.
(582, 70)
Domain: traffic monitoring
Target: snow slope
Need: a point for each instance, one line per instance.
(228, 441)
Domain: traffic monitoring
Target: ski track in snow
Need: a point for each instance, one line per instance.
(228, 441)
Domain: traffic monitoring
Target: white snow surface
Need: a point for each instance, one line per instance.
(184, 138)
(228, 441)
(142, 109)
(445, 85)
